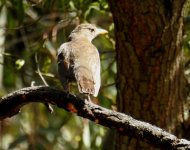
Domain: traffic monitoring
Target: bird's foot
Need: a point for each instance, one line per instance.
(89, 99)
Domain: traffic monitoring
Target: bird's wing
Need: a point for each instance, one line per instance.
(87, 68)
(63, 65)
(96, 72)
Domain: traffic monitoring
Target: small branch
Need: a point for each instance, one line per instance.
(124, 124)
(38, 70)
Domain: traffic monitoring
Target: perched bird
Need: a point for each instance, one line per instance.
(79, 60)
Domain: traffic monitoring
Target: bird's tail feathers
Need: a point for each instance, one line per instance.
(85, 81)
(86, 86)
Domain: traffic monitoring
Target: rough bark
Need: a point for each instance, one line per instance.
(124, 124)
(150, 63)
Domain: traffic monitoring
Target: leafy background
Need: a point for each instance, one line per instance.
(30, 33)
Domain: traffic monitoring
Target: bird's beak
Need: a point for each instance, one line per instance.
(101, 31)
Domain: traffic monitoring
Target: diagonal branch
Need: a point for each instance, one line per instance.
(124, 124)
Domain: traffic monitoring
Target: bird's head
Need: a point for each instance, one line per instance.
(86, 30)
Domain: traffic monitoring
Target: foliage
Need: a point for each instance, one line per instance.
(30, 33)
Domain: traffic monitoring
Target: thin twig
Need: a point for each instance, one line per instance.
(38, 70)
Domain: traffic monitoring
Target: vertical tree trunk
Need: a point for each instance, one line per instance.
(150, 63)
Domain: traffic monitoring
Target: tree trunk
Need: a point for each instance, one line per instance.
(151, 83)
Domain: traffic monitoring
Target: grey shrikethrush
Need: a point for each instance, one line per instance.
(79, 60)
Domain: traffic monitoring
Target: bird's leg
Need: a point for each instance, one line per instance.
(89, 99)
(67, 89)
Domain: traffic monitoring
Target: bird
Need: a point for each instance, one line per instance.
(79, 61)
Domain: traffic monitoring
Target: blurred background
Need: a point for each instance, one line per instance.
(30, 33)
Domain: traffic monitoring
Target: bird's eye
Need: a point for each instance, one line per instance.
(91, 29)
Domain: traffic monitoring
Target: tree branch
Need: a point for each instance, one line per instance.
(124, 124)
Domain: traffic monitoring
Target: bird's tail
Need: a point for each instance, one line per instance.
(84, 80)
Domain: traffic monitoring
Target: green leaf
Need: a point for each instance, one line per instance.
(19, 63)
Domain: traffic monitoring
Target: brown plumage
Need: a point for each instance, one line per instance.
(79, 61)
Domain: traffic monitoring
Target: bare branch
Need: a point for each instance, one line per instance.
(124, 124)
